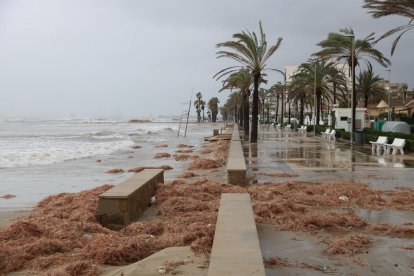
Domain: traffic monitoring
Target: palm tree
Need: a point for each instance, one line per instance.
(252, 53)
(382, 8)
(341, 47)
(402, 92)
(213, 106)
(197, 104)
(368, 85)
(203, 105)
(242, 81)
(278, 90)
(263, 95)
(303, 94)
(315, 77)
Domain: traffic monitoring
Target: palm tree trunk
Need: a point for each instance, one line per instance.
(318, 107)
(241, 115)
(255, 110)
(268, 115)
(263, 111)
(301, 111)
(277, 108)
(289, 113)
(334, 93)
(246, 112)
(366, 100)
(281, 108)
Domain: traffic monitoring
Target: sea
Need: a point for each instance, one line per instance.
(39, 158)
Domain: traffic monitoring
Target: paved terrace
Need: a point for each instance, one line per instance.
(314, 159)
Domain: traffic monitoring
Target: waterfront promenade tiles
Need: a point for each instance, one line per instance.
(236, 250)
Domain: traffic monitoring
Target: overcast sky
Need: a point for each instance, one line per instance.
(132, 58)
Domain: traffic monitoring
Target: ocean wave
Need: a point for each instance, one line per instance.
(107, 135)
(50, 154)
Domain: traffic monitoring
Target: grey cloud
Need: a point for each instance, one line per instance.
(141, 58)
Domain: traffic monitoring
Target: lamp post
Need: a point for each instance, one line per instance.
(389, 94)
(353, 96)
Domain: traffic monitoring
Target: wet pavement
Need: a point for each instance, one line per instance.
(310, 158)
(281, 156)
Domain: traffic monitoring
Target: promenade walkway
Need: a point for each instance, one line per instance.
(290, 156)
(312, 159)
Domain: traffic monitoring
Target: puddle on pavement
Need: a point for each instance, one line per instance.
(386, 215)
(279, 151)
(385, 257)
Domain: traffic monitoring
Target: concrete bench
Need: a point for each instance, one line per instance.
(126, 201)
(236, 249)
(236, 166)
(379, 144)
(397, 144)
(235, 136)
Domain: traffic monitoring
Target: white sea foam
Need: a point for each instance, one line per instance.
(25, 153)
(41, 142)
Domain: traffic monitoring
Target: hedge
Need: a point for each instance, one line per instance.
(371, 135)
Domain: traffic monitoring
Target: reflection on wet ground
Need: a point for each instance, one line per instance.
(310, 159)
(387, 257)
(315, 159)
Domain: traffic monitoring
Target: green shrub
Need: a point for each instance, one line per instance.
(372, 135)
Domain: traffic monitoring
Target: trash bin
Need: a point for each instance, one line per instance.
(359, 137)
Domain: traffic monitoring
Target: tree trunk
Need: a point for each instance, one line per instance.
(263, 111)
(241, 115)
(289, 113)
(301, 111)
(255, 110)
(246, 112)
(334, 93)
(277, 108)
(213, 117)
(268, 115)
(282, 107)
(366, 100)
(318, 107)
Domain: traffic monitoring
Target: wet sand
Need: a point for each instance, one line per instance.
(7, 216)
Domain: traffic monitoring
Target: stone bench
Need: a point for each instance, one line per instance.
(397, 144)
(126, 201)
(236, 248)
(236, 166)
(235, 136)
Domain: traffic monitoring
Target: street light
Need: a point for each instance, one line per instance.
(389, 94)
(353, 96)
